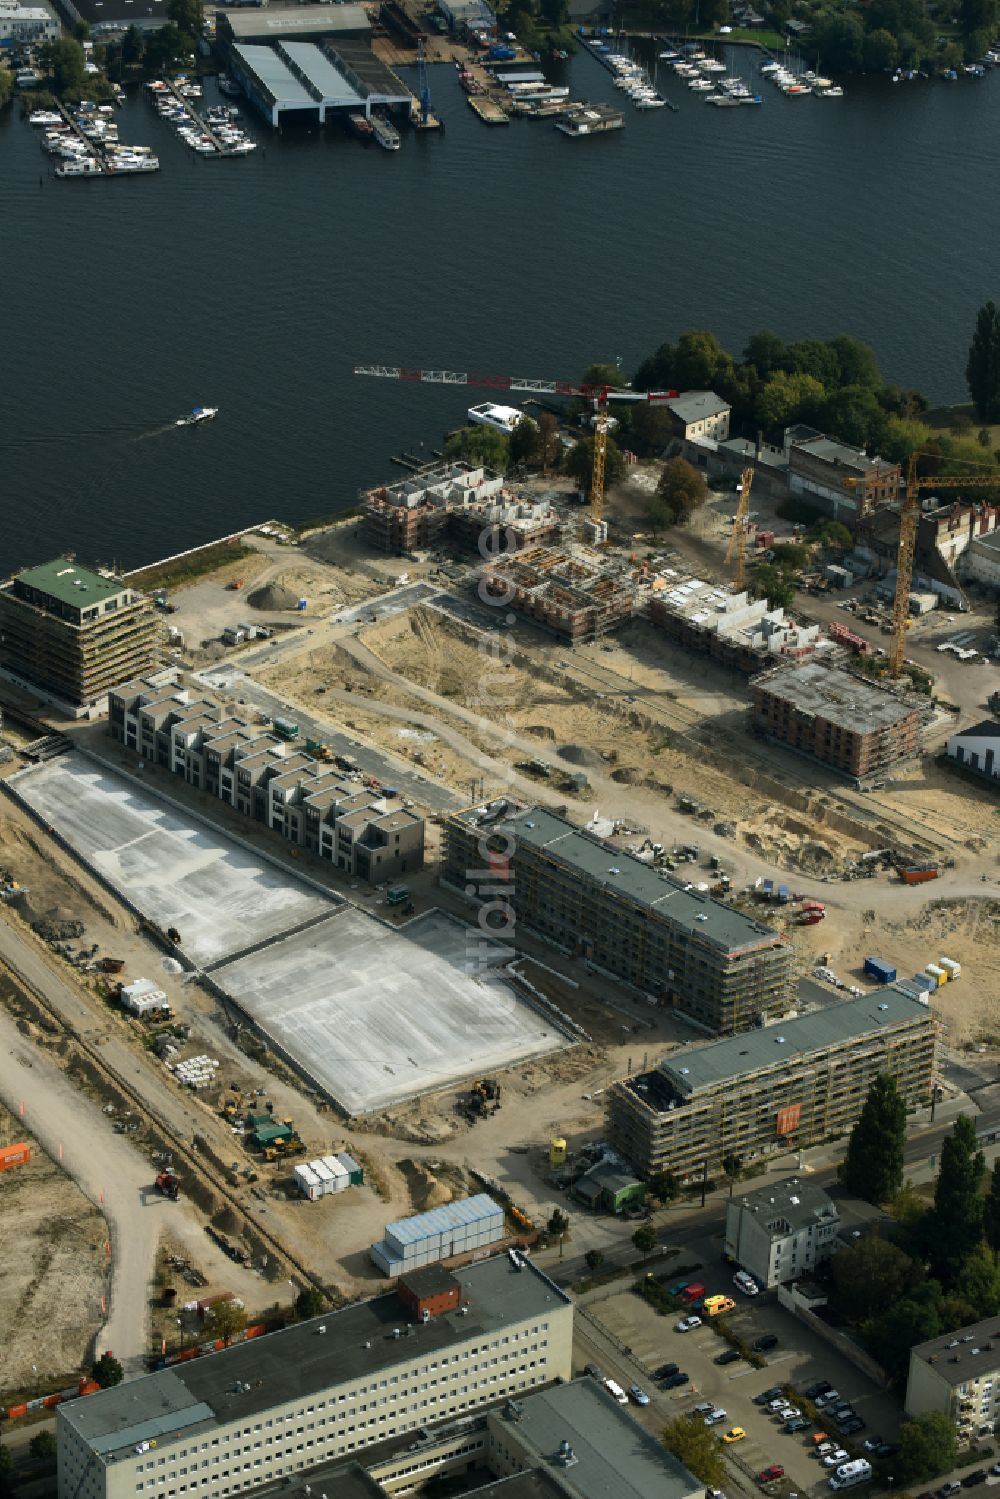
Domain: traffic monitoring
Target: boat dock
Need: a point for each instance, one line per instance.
(201, 124)
(97, 151)
(488, 109)
(94, 148)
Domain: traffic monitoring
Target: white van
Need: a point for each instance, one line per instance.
(851, 1474)
(616, 1392)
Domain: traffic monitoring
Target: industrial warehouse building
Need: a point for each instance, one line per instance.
(835, 717)
(460, 1227)
(776, 1088)
(69, 634)
(680, 947)
(782, 1231)
(266, 1409)
(958, 1374)
(359, 829)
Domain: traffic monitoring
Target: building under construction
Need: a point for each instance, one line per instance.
(730, 627)
(777, 1088)
(457, 502)
(576, 593)
(835, 717)
(677, 945)
(69, 633)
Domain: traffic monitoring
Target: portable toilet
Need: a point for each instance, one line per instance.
(557, 1151)
(302, 605)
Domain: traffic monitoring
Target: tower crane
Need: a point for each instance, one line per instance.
(741, 532)
(598, 396)
(909, 517)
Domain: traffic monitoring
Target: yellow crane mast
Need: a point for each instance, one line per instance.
(741, 531)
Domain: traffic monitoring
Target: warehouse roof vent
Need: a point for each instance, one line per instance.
(883, 1007)
(779, 1040)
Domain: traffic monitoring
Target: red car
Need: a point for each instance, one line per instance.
(768, 1475)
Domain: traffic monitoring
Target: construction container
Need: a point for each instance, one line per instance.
(457, 1228)
(951, 968)
(557, 1151)
(938, 972)
(354, 1171)
(914, 989)
(14, 1155)
(926, 980)
(879, 969)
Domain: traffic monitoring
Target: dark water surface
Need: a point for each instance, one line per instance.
(255, 285)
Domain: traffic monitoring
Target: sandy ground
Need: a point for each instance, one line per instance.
(52, 1243)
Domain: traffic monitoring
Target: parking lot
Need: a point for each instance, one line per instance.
(800, 1358)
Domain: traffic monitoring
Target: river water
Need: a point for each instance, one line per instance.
(256, 284)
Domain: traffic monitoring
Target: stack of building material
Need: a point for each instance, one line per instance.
(196, 1072)
(457, 1228)
(142, 997)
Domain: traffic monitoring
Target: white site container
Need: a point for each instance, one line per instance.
(951, 968)
(340, 1176)
(307, 1183)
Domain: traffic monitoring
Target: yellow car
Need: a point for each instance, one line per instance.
(736, 1434)
(715, 1305)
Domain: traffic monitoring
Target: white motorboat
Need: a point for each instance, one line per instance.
(199, 414)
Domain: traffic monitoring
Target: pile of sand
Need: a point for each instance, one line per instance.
(273, 595)
(581, 754)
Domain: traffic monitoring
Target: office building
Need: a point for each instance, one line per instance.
(678, 946)
(69, 634)
(356, 825)
(958, 1374)
(776, 1088)
(782, 1231)
(265, 1410)
(835, 717)
(26, 25)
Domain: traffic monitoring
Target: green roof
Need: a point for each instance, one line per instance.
(70, 583)
(704, 1066)
(619, 873)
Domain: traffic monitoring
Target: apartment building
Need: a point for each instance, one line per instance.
(958, 1374)
(782, 1231)
(678, 946)
(775, 1088)
(267, 1409)
(699, 414)
(977, 748)
(455, 502)
(837, 479)
(69, 634)
(357, 827)
(835, 717)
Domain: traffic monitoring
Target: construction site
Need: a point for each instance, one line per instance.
(458, 503)
(577, 593)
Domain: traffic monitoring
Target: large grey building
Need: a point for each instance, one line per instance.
(958, 1374)
(680, 947)
(265, 1410)
(776, 1088)
(782, 1231)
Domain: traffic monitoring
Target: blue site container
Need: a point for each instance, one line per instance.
(879, 969)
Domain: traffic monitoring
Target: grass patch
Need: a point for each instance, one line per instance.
(767, 40)
(187, 569)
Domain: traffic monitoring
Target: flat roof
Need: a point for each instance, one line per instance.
(277, 21)
(276, 76)
(70, 583)
(297, 1363)
(835, 697)
(377, 81)
(704, 1066)
(709, 920)
(478, 1209)
(321, 73)
(963, 1355)
(829, 450)
(613, 1453)
(790, 1204)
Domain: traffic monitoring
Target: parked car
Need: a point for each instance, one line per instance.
(735, 1434)
(594, 1372)
(870, 1443)
(973, 1479)
(703, 1407)
(851, 1426)
(729, 1357)
(824, 1447)
(766, 1396)
(715, 1416)
(814, 1391)
(947, 1489)
(746, 1283)
(789, 1413)
(830, 1400)
(675, 1380)
(763, 1343)
(688, 1324)
(771, 1474)
(835, 1458)
(665, 1371)
(638, 1394)
(799, 1423)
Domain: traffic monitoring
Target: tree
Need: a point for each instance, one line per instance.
(309, 1303)
(956, 1220)
(856, 362)
(554, 13)
(695, 1444)
(700, 362)
(871, 1274)
(579, 463)
(548, 440)
(593, 1259)
(65, 60)
(853, 414)
(604, 373)
(788, 398)
(766, 352)
(991, 1206)
(482, 446)
(652, 428)
(107, 1371)
(6, 1461)
(133, 46)
(732, 1165)
(188, 16)
(982, 371)
(928, 1447)
(914, 1319)
(558, 1224)
(771, 583)
(165, 46)
(873, 1165)
(978, 1283)
(680, 490)
(978, 15)
(224, 1320)
(645, 1238)
(880, 51)
(42, 1445)
(523, 444)
(663, 1186)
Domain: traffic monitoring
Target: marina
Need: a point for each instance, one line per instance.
(213, 133)
(85, 142)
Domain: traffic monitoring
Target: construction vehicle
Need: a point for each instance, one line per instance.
(167, 1184)
(741, 531)
(909, 517)
(318, 749)
(597, 396)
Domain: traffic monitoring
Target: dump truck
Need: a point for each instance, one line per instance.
(167, 1184)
